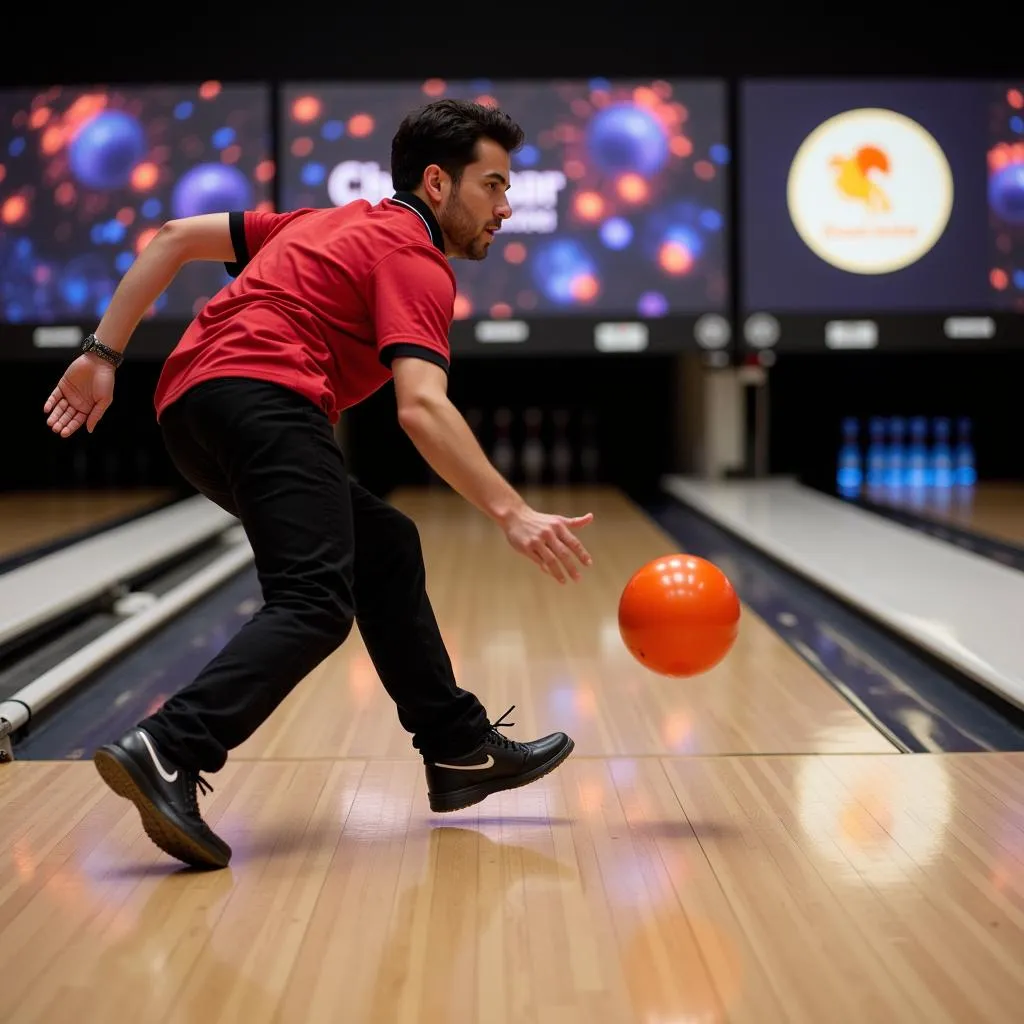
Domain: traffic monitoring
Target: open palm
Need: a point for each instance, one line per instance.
(82, 395)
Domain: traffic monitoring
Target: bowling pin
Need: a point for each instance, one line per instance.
(589, 454)
(561, 451)
(532, 455)
(964, 470)
(876, 453)
(503, 455)
(849, 475)
(895, 456)
(917, 454)
(942, 456)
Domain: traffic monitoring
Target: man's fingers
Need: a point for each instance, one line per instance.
(55, 397)
(555, 549)
(95, 415)
(68, 422)
(548, 560)
(73, 424)
(65, 419)
(572, 542)
(535, 557)
(563, 555)
(56, 411)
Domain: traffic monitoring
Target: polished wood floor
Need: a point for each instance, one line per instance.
(517, 637)
(29, 521)
(741, 848)
(754, 890)
(993, 509)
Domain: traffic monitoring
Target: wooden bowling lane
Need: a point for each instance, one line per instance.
(745, 890)
(517, 637)
(32, 520)
(994, 509)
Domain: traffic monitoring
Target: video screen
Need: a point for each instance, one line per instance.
(618, 195)
(1006, 194)
(867, 196)
(88, 175)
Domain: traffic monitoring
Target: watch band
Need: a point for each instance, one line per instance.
(96, 347)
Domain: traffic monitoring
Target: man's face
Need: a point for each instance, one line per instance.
(473, 211)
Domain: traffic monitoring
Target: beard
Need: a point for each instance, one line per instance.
(460, 227)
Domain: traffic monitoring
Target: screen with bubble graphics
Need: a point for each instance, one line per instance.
(618, 195)
(88, 175)
(1006, 195)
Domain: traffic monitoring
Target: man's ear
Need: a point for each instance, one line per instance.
(435, 182)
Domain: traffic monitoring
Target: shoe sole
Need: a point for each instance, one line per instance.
(457, 799)
(117, 772)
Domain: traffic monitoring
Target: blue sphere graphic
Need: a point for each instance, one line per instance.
(1006, 193)
(558, 264)
(211, 188)
(106, 149)
(624, 138)
(616, 233)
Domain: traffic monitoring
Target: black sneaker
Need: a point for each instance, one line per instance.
(165, 796)
(498, 763)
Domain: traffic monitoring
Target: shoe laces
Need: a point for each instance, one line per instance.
(196, 781)
(497, 737)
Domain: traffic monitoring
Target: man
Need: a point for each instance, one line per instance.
(325, 308)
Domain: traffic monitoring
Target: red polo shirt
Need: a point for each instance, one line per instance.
(322, 301)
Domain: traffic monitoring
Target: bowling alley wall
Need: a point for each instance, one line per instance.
(841, 248)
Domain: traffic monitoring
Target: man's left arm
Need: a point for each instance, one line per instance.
(205, 237)
(86, 388)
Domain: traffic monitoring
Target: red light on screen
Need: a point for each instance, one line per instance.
(305, 109)
(589, 205)
(14, 210)
(360, 125)
(632, 188)
(515, 252)
(145, 176)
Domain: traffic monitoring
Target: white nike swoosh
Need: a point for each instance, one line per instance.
(164, 774)
(467, 767)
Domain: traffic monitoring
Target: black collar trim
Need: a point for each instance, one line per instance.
(418, 206)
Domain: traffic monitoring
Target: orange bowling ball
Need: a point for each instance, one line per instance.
(679, 615)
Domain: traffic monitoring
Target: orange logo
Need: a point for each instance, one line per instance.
(854, 177)
(869, 191)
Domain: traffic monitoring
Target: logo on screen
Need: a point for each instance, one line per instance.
(534, 204)
(870, 191)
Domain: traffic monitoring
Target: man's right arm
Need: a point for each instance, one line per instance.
(444, 439)
(411, 295)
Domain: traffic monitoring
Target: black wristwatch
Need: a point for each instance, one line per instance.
(96, 347)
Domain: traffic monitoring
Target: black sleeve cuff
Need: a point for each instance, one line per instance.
(236, 224)
(405, 348)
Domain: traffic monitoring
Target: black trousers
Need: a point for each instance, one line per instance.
(327, 554)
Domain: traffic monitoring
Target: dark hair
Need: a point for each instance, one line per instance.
(446, 133)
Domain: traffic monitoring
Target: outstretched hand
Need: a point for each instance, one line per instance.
(549, 541)
(82, 395)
